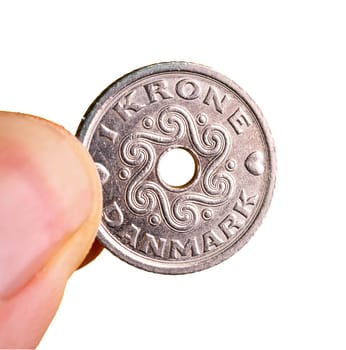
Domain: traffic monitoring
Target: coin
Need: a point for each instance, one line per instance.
(142, 117)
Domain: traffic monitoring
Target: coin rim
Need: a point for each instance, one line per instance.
(182, 267)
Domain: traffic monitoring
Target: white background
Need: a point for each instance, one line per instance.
(286, 288)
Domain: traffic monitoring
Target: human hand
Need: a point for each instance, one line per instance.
(50, 207)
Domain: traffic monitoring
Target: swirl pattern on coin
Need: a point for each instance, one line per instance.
(143, 115)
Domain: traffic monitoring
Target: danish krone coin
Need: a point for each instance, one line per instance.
(131, 128)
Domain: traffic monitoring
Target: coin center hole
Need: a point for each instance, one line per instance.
(177, 167)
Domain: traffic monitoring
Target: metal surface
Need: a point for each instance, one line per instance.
(167, 229)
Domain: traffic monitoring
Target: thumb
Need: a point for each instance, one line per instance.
(50, 207)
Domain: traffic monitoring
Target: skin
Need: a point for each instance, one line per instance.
(50, 208)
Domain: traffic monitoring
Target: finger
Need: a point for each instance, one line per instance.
(50, 205)
(94, 252)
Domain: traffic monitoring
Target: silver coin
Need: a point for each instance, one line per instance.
(129, 128)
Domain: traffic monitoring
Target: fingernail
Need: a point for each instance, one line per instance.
(46, 192)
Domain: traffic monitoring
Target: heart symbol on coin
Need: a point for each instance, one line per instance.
(255, 163)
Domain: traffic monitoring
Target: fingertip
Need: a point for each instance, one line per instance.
(50, 209)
